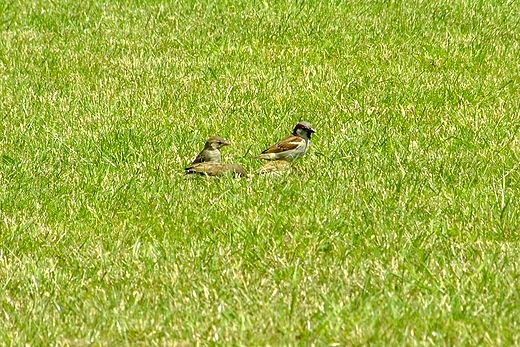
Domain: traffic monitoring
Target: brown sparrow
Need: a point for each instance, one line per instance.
(211, 151)
(293, 146)
(274, 167)
(216, 169)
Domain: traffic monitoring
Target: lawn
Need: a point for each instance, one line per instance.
(400, 227)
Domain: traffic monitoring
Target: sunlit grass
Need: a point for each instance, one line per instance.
(399, 227)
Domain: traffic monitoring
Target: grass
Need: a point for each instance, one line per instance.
(400, 226)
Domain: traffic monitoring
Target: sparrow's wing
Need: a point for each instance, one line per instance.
(199, 158)
(290, 142)
(205, 168)
(215, 169)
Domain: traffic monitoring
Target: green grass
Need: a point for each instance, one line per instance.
(399, 227)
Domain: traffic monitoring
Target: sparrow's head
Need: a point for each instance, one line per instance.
(216, 142)
(304, 130)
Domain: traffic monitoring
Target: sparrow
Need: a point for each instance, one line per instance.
(292, 147)
(211, 151)
(274, 167)
(215, 169)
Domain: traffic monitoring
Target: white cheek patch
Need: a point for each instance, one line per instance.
(303, 133)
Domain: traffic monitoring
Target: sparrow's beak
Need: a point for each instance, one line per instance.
(227, 143)
(312, 130)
